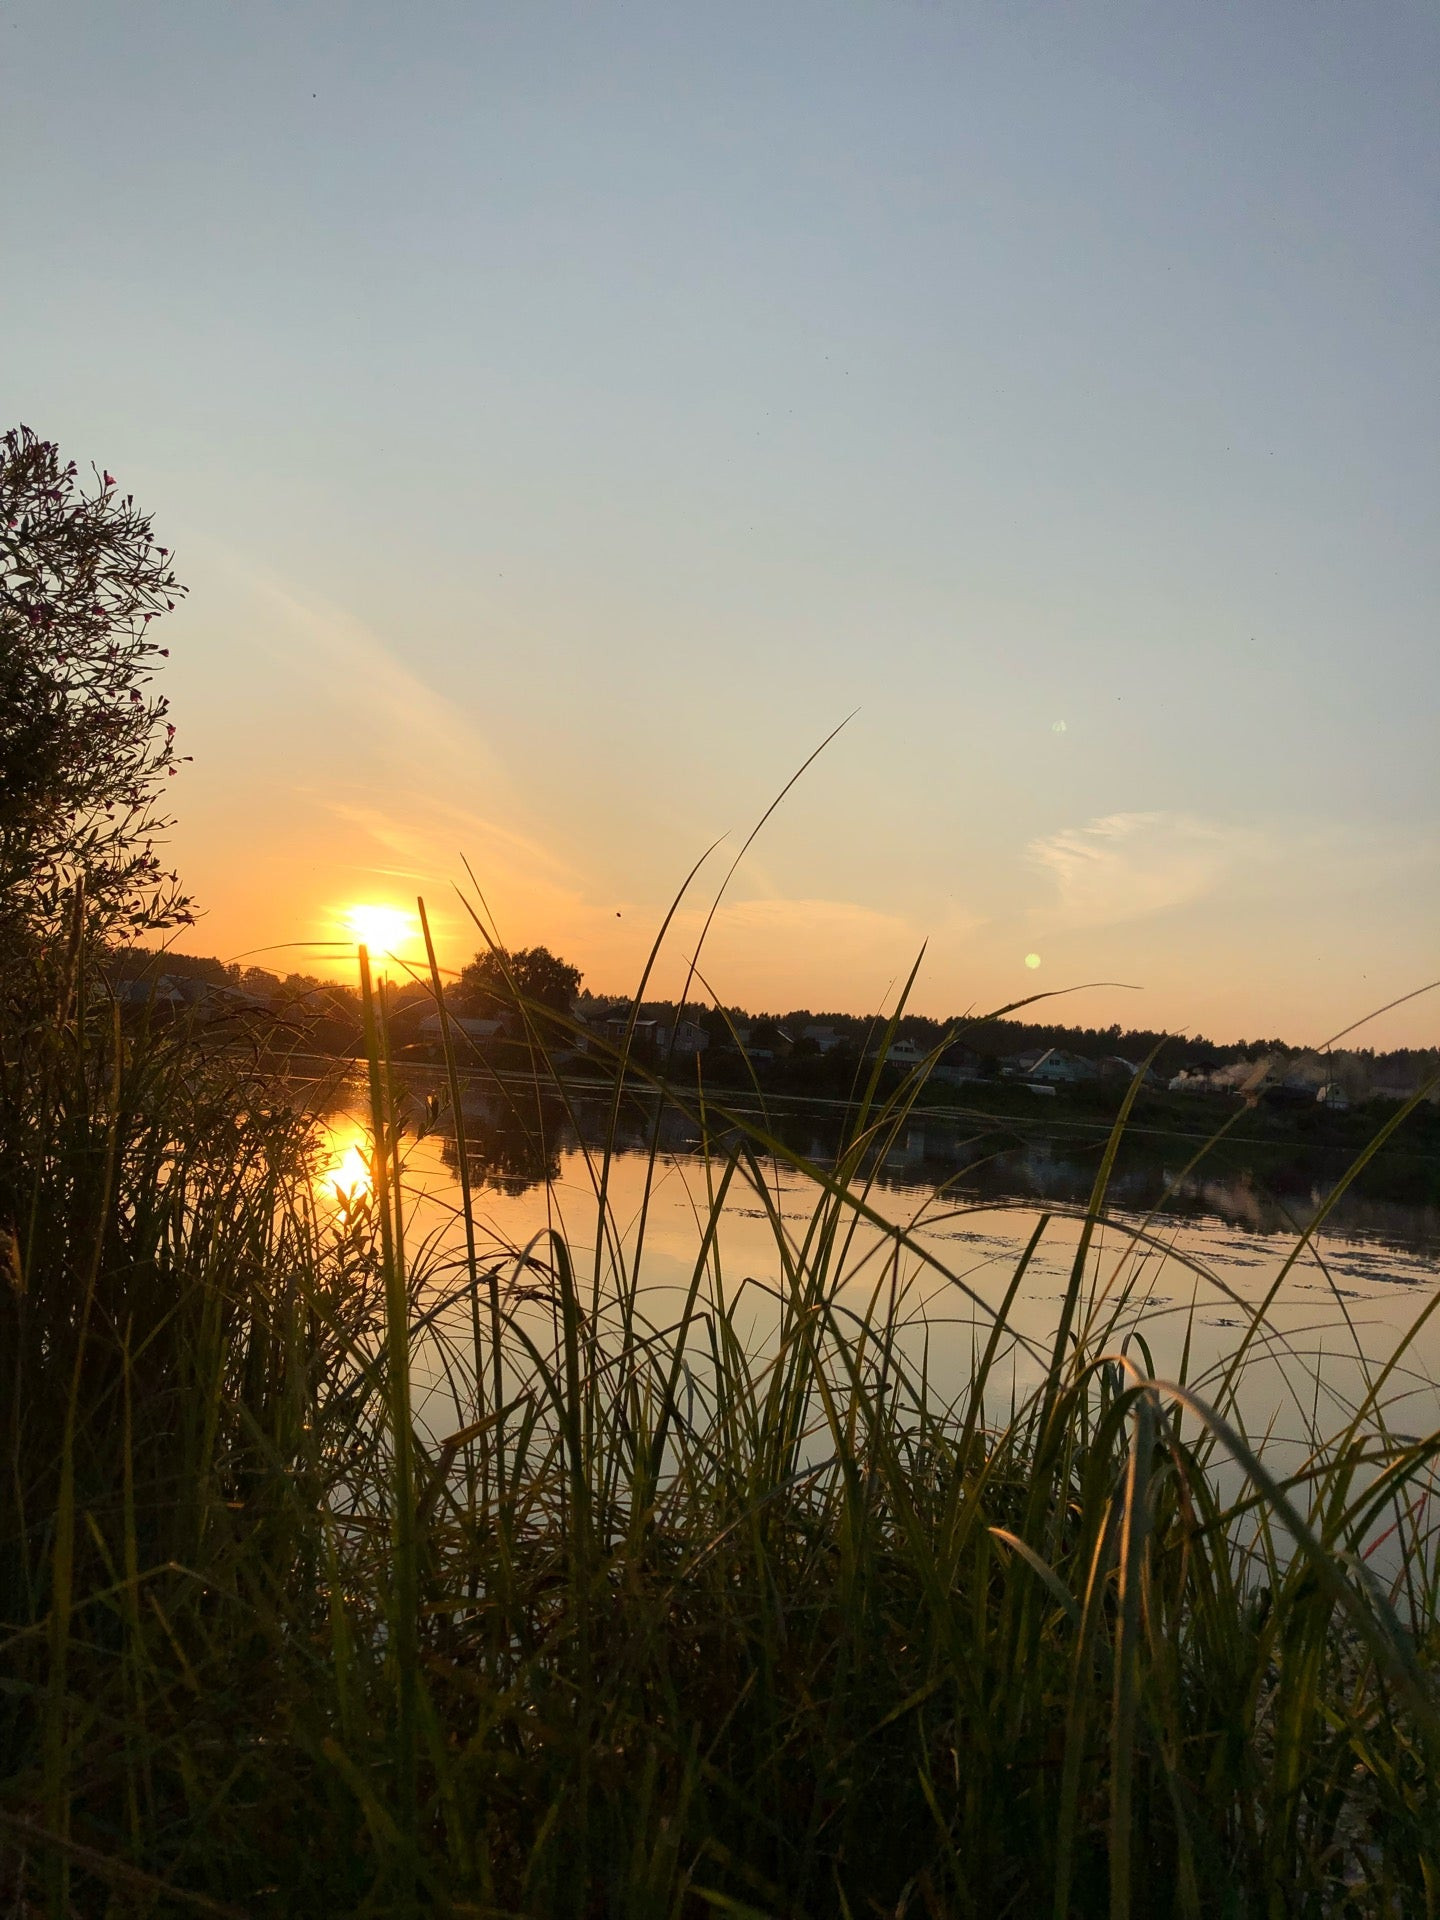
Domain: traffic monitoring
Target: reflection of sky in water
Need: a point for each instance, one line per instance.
(1343, 1306)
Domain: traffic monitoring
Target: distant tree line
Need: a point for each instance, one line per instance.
(496, 984)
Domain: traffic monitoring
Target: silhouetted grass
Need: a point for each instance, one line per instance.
(636, 1611)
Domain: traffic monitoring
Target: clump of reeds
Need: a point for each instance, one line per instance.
(663, 1617)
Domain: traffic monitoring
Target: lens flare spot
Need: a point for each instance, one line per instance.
(1032, 960)
(1057, 726)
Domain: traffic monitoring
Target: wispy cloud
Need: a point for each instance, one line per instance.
(417, 777)
(1126, 865)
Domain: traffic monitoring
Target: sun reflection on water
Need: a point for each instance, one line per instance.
(346, 1176)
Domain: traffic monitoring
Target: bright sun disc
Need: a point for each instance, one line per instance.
(382, 929)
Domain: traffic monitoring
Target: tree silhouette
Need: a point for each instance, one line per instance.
(85, 747)
(494, 981)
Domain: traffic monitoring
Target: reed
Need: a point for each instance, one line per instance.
(323, 1593)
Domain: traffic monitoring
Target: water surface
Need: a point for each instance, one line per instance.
(1186, 1251)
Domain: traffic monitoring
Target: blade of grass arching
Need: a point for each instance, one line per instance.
(1047, 1575)
(1093, 1212)
(607, 1238)
(62, 1574)
(934, 1579)
(571, 1408)
(1347, 1179)
(1390, 1485)
(155, 1893)
(646, 1491)
(607, 1231)
(975, 1407)
(1134, 1527)
(872, 1086)
(405, 1582)
(744, 1125)
(1078, 1705)
(693, 967)
(693, 972)
(1373, 1618)
(893, 1112)
(467, 1207)
(626, 1046)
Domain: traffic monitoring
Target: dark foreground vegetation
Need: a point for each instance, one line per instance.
(631, 1610)
(346, 1570)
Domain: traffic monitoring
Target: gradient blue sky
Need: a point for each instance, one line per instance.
(565, 415)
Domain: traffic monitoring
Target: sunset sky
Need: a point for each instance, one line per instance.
(566, 415)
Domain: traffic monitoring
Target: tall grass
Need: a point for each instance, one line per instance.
(350, 1568)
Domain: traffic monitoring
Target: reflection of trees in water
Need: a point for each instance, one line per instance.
(1275, 1193)
(513, 1143)
(518, 1134)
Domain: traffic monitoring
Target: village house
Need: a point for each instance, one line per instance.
(826, 1039)
(690, 1038)
(1049, 1066)
(1116, 1070)
(653, 1038)
(470, 1027)
(169, 993)
(959, 1064)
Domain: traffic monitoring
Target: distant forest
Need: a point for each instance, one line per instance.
(991, 1039)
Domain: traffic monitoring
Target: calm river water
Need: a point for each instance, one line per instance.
(971, 1194)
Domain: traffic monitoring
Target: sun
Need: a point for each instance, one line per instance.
(381, 929)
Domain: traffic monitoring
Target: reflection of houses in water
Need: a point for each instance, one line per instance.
(1039, 1172)
(908, 1155)
(1240, 1202)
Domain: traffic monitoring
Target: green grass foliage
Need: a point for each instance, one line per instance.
(663, 1618)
